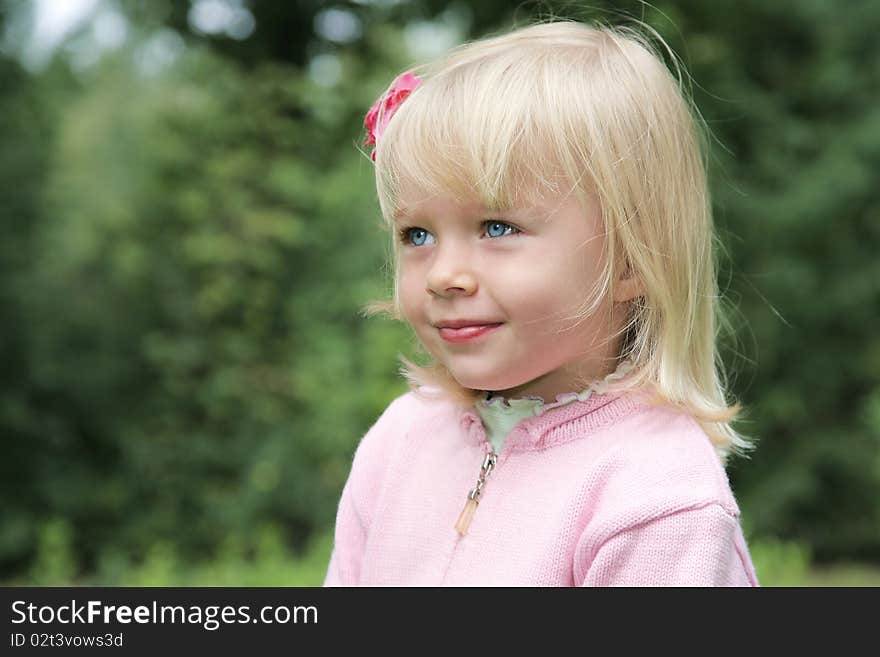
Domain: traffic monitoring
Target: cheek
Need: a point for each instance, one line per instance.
(548, 304)
(411, 293)
(549, 287)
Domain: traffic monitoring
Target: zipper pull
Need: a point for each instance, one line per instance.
(473, 498)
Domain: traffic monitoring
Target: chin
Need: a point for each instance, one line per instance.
(485, 381)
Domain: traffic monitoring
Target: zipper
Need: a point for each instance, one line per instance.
(473, 497)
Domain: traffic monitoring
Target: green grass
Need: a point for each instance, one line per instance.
(844, 574)
(780, 563)
(262, 560)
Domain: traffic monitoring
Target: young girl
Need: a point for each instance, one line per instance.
(554, 256)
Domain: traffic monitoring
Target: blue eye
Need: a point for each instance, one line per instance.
(505, 229)
(414, 236)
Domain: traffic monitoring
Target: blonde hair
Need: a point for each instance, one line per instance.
(511, 115)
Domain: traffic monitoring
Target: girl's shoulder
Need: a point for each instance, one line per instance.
(412, 408)
(379, 446)
(663, 459)
(418, 405)
(663, 467)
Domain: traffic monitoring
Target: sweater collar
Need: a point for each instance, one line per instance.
(533, 423)
(570, 422)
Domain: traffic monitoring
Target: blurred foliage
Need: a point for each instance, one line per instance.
(187, 246)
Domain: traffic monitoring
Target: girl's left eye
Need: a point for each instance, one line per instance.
(499, 228)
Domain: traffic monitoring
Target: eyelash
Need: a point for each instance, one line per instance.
(404, 233)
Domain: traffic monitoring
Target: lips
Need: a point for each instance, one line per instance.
(465, 332)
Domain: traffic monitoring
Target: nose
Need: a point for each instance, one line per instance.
(450, 273)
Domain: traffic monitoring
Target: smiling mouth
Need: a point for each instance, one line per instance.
(467, 333)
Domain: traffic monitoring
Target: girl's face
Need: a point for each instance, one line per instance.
(523, 274)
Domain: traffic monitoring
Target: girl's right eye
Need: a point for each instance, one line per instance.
(414, 236)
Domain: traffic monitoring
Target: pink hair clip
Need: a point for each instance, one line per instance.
(403, 85)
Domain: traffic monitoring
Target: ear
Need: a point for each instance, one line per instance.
(628, 287)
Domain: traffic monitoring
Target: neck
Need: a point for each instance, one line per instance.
(550, 386)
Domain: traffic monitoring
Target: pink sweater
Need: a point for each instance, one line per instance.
(608, 491)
